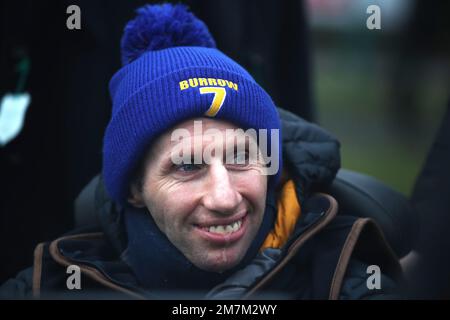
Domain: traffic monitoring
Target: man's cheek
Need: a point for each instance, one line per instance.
(177, 232)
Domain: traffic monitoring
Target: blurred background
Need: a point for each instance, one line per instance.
(383, 93)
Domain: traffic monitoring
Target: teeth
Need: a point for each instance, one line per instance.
(235, 226)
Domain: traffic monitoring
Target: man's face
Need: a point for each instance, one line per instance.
(210, 211)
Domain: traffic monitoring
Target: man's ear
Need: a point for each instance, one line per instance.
(135, 198)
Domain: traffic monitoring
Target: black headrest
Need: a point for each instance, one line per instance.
(364, 196)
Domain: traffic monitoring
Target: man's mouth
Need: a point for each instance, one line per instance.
(224, 229)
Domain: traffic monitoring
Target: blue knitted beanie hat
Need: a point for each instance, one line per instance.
(173, 72)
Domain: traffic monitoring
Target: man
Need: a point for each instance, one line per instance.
(192, 199)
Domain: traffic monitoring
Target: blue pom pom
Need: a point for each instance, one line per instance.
(158, 27)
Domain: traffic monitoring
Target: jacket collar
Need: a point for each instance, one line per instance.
(321, 210)
(99, 261)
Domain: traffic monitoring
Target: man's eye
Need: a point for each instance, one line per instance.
(241, 158)
(188, 167)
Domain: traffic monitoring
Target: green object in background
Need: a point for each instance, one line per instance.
(23, 68)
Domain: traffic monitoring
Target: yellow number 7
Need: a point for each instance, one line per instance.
(219, 98)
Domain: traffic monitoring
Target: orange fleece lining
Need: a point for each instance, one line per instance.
(288, 212)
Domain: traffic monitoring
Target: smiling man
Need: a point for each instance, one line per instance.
(220, 201)
(211, 212)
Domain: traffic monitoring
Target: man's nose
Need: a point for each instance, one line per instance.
(221, 195)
